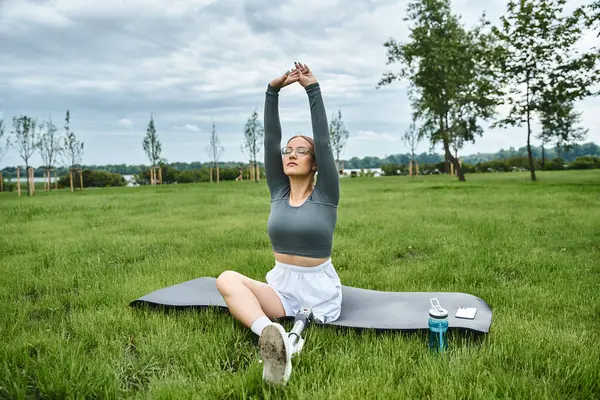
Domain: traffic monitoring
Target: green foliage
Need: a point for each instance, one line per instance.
(560, 123)
(171, 175)
(253, 136)
(4, 140)
(556, 164)
(338, 135)
(366, 174)
(447, 67)
(569, 155)
(72, 149)
(521, 163)
(411, 139)
(8, 185)
(214, 148)
(202, 175)
(49, 144)
(511, 164)
(151, 143)
(92, 179)
(540, 68)
(587, 162)
(26, 136)
(392, 169)
(27, 141)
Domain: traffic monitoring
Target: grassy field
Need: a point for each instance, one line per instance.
(71, 262)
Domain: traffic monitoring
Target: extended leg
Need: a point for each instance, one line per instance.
(253, 303)
(248, 299)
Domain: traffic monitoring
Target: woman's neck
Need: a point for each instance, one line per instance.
(300, 188)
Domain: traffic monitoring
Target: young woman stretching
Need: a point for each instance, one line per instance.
(301, 224)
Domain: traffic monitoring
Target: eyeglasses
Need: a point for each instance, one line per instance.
(301, 151)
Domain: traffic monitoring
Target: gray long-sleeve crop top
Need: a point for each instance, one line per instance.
(305, 230)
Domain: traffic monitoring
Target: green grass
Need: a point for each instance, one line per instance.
(70, 263)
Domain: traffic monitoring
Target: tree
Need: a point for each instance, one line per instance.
(49, 146)
(545, 137)
(411, 138)
(339, 135)
(560, 124)
(253, 140)
(214, 148)
(594, 16)
(152, 145)
(538, 61)
(451, 86)
(72, 150)
(6, 145)
(26, 138)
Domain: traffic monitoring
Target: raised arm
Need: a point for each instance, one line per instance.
(328, 180)
(277, 180)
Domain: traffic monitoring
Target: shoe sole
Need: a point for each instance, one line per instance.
(273, 353)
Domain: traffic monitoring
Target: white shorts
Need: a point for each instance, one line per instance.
(317, 288)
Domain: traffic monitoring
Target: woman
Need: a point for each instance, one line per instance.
(301, 224)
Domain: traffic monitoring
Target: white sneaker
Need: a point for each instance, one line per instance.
(276, 354)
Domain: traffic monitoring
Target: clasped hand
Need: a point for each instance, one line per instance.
(301, 74)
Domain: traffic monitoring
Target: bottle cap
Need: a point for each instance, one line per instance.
(436, 311)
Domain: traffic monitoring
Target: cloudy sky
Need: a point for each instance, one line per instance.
(191, 62)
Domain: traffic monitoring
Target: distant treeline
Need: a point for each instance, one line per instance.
(568, 156)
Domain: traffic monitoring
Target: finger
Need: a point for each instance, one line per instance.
(307, 70)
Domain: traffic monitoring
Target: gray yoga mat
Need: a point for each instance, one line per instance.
(361, 308)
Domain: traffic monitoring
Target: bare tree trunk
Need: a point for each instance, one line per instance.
(28, 180)
(543, 157)
(448, 154)
(459, 172)
(529, 152)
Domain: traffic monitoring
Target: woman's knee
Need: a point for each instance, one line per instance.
(227, 281)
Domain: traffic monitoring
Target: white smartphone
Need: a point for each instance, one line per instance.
(466, 312)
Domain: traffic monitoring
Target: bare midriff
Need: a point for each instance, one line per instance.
(299, 261)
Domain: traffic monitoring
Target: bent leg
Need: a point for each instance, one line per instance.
(248, 299)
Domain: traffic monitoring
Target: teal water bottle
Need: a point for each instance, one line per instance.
(438, 325)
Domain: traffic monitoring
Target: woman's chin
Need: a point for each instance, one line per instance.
(295, 172)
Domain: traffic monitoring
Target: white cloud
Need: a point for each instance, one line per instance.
(17, 14)
(192, 62)
(374, 136)
(189, 127)
(125, 122)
